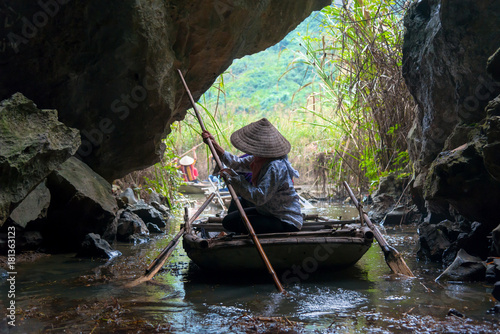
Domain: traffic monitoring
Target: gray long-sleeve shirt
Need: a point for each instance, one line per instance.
(274, 194)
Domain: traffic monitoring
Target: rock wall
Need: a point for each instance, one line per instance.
(32, 144)
(109, 67)
(446, 49)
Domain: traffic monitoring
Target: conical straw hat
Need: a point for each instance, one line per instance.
(261, 139)
(186, 161)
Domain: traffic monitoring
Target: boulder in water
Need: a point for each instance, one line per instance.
(464, 268)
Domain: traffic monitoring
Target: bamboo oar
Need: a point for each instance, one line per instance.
(392, 257)
(234, 196)
(157, 263)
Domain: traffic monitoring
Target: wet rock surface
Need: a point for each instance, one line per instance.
(464, 268)
(32, 144)
(148, 214)
(81, 203)
(130, 224)
(94, 246)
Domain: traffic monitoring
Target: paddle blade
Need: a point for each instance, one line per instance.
(396, 263)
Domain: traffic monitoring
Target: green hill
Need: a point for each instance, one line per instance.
(265, 81)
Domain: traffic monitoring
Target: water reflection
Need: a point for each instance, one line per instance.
(57, 291)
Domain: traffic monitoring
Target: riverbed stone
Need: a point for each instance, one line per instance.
(153, 228)
(496, 291)
(148, 214)
(94, 246)
(432, 242)
(32, 144)
(81, 203)
(30, 240)
(400, 215)
(493, 270)
(130, 224)
(464, 268)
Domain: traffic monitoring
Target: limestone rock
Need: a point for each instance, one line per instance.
(32, 144)
(94, 246)
(33, 207)
(432, 242)
(153, 228)
(148, 214)
(461, 178)
(464, 268)
(129, 224)
(128, 196)
(446, 47)
(110, 67)
(496, 295)
(82, 203)
(495, 243)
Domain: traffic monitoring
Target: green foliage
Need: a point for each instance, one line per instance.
(257, 84)
(362, 97)
(166, 177)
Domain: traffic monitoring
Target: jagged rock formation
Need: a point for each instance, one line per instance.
(451, 66)
(32, 144)
(446, 49)
(109, 67)
(81, 203)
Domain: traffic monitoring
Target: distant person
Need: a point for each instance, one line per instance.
(273, 204)
(189, 171)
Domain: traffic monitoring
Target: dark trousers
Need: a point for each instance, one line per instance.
(260, 223)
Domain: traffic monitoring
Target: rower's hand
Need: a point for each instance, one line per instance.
(228, 175)
(207, 136)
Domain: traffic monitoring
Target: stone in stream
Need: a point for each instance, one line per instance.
(130, 224)
(153, 228)
(464, 268)
(148, 214)
(493, 270)
(496, 291)
(94, 246)
(432, 241)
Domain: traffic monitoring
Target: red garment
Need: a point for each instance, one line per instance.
(256, 166)
(190, 173)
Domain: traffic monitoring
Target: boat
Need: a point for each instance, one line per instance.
(196, 187)
(321, 244)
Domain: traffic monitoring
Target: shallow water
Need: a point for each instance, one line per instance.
(60, 293)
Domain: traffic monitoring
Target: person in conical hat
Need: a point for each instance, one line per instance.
(272, 204)
(189, 171)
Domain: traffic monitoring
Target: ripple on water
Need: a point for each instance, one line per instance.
(316, 302)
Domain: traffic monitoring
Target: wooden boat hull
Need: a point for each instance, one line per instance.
(194, 188)
(286, 251)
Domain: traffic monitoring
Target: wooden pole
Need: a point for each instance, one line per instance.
(157, 263)
(249, 227)
(392, 257)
